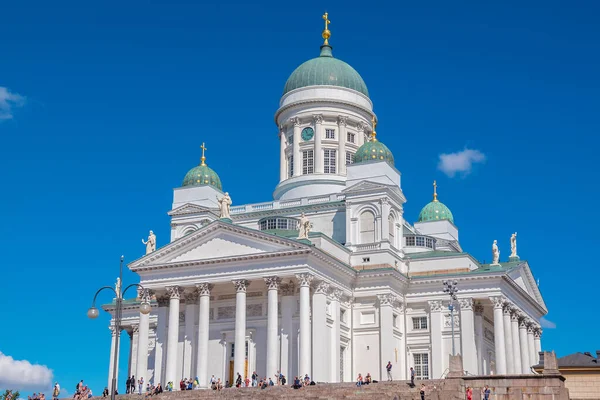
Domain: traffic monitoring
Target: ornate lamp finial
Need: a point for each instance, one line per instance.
(203, 147)
(435, 191)
(374, 133)
(326, 33)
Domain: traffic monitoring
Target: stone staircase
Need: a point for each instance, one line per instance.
(396, 390)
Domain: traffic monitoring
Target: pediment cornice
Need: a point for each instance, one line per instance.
(189, 209)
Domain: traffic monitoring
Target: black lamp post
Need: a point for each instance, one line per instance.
(93, 313)
(450, 289)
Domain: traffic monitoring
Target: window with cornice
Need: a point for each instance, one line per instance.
(367, 227)
(329, 161)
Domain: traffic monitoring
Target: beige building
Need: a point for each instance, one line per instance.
(582, 374)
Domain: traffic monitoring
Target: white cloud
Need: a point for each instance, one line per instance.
(460, 162)
(22, 375)
(547, 324)
(8, 102)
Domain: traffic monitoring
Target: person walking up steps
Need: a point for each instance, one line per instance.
(388, 367)
(422, 392)
(412, 377)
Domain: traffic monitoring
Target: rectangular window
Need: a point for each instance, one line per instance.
(271, 223)
(420, 241)
(329, 133)
(366, 259)
(410, 240)
(308, 162)
(290, 166)
(429, 242)
(350, 137)
(263, 225)
(329, 161)
(419, 323)
(349, 158)
(421, 365)
(282, 223)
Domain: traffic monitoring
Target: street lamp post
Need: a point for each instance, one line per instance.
(93, 313)
(450, 289)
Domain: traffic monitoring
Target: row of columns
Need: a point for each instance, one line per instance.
(517, 339)
(308, 350)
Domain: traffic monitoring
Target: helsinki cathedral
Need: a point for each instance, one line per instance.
(328, 278)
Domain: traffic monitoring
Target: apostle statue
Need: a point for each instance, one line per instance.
(224, 206)
(118, 287)
(495, 253)
(513, 245)
(304, 226)
(150, 243)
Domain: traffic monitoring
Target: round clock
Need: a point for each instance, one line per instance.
(307, 133)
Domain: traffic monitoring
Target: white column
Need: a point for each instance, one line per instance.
(319, 333)
(537, 338)
(113, 343)
(336, 296)
(191, 299)
(342, 145)
(288, 309)
(403, 368)
(318, 149)
(239, 355)
(173, 335)
(531, 344)
(437, 350)
(304, 363)
(134, 349)
(161, 337)
(524, 345)
(467, 335)
(282, 158)
(500, 347)
(130, 334)
(385, 213)
(386, 333)
(273, 283)
(514, 327)
(360, 134)
(142, 350)
(479, 337)
(203, 325)
(296, 146)
(510, 362)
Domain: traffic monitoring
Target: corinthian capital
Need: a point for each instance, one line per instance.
(386, 299)
(336, 294)
(466, 304)
(435, 305)
(241, 285)
(273, 282)
(318, 118)
(342, 120)
(295, 121)
(497, 301)
(174, 292)
(304, 279)
(204, 288)
(322, 288)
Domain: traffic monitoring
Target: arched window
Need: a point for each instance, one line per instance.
(392, 229)
(367, 227)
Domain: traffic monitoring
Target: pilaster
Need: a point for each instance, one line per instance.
(320, 357)
(386, 332)
(467, 335)
(437, 350)
(318, 118)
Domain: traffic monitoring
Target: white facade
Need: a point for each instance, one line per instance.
(249, 296)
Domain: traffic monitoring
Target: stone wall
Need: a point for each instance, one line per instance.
(583, 385)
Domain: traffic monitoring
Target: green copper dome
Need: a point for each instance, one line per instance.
(325, 70)
(435, 210)
(202, 175)
(373, 150)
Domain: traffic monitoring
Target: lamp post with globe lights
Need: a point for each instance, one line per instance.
(450, 289)
(93, 313)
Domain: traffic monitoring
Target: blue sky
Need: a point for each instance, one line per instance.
(103, 107)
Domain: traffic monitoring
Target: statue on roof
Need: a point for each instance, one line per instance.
(150, 243)
(224, 206)
(304, 226)
(513, 245)
(495, 253)
(118, 287)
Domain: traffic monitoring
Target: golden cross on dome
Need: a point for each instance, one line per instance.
(374, 133)
(326, 33)
(203, 147)
(435, 191)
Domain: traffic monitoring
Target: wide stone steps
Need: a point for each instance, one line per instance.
(396, 390)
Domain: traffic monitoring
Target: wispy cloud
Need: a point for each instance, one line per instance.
(22, 375)
(8, 102)
(547, 324)
(460, 162)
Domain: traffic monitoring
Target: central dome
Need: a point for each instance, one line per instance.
(326, 70)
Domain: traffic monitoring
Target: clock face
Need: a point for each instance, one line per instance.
(307, 133)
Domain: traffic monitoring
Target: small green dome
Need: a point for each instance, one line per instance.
(202, 175)
(435, 211)
(373, 150)
(325, 70)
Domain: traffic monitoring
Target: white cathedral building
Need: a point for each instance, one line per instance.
(248, 292)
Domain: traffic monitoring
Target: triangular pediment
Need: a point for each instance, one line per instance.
(188, 209)
(366, 186)
(523, 277)
(218, 241)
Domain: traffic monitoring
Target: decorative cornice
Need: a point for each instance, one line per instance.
(305, 279)
(204, 288)
(241, 285)
(322, 288)
(436, 305)
(466, 304)
(174, 292)
(273, 282)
